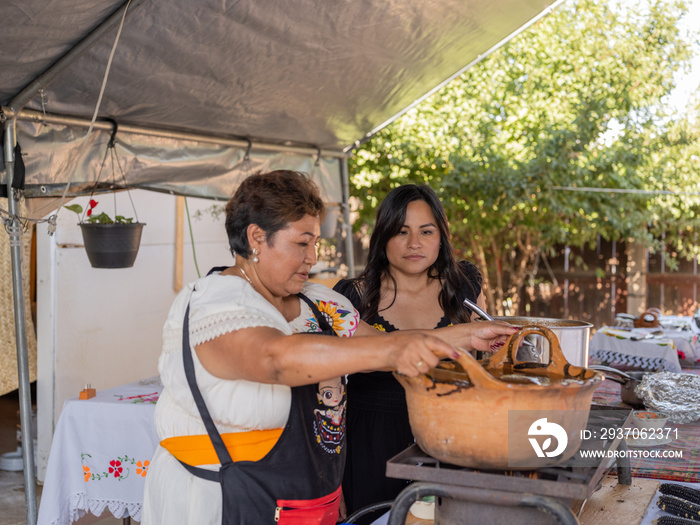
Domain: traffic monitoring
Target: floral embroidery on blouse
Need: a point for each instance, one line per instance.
(379, 327)
(343, 322)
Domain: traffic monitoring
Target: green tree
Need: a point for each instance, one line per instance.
(575, 101)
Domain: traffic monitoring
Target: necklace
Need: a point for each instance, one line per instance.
(245, 275)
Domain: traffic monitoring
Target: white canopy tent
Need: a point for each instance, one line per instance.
(207, 91)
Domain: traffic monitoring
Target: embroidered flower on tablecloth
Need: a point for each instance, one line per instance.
(151, 399)
(86, 473)
(115, 468)
(142, 468)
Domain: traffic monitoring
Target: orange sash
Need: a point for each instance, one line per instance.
(243, 446)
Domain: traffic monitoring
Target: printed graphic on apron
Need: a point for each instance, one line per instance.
(329, 423)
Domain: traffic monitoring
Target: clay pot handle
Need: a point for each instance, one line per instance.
(557, 361)
(477, 373)
(641, 321)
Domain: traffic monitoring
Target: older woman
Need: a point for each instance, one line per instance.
(252, 419)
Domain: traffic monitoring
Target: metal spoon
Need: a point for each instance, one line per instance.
(612, 370)
(534, 353)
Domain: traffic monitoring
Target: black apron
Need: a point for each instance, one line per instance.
(298, 481)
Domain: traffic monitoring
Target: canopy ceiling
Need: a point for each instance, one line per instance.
(324, 74)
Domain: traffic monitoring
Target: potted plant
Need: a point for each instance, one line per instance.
(109, 243)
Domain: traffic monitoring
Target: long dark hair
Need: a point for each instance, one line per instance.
(391, 217)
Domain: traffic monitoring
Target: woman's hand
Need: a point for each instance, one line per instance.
(487, 336)
(412, 353)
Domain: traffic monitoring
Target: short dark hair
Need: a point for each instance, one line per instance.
(271, 200)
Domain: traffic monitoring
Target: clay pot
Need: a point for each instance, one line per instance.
(649, 319)
(467, 420)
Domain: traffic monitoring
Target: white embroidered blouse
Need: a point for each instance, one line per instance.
(220, 304)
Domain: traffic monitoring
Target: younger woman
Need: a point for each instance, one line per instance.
(411, 280)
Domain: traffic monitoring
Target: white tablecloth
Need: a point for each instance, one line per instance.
(684, 333)
(615, 345)
(681, 328)
(100, 454)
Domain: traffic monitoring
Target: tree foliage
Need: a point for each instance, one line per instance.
(574, 101)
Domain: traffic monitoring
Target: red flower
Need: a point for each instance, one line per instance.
(91, 205)
(115, 468)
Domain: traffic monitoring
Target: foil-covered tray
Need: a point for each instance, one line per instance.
(677, 395)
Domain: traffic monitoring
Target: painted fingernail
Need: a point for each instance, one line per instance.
(497, 345)
(455, 355)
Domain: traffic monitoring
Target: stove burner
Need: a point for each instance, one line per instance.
(467, 495)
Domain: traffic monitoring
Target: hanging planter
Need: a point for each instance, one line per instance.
(109, 243)
(112, 245)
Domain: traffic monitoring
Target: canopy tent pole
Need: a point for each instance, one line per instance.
(14, 228)
(349, 246)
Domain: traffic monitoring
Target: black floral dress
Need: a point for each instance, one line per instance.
(377, 415)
